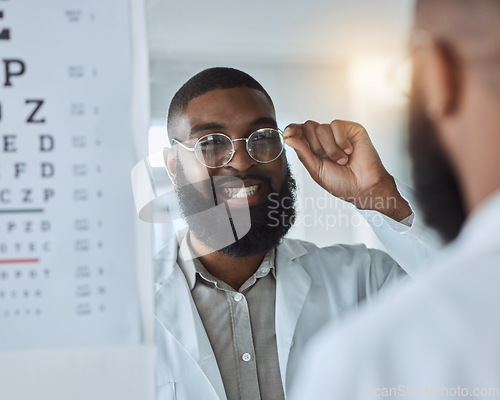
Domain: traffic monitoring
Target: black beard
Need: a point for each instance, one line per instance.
(437, 189)
(265, 232)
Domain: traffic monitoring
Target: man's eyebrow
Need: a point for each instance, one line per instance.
(265, 121)
(214, 126)
(205, 127)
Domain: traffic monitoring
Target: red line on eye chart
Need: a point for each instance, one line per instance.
(20, 261)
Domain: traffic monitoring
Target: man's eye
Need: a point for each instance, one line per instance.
(214, 141)
(205, 144)
(265, 138)
(260, 137)
(210, 142)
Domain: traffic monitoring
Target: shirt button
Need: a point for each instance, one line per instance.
(238, 297)
(246, 357)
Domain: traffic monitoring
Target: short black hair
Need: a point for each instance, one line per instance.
(206, 81)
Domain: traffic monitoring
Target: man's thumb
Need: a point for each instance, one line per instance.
(304, 153)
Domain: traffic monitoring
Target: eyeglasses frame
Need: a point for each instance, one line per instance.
(233, 151)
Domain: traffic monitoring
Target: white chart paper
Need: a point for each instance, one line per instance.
(67, 259)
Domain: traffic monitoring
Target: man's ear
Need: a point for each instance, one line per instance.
(441, 83)
(170, 159)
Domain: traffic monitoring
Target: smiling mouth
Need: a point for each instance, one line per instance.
(241, 192)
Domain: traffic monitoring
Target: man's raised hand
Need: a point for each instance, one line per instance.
(341, 158)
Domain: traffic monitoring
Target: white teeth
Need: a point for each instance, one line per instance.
(240, 193)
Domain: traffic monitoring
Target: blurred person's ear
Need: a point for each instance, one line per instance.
(440, 81)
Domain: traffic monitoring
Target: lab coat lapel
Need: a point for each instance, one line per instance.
(178, 314)
(292, 286)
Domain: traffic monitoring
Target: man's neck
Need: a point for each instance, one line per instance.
(234, 271)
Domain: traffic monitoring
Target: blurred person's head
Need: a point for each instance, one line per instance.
(228, 101)
(455, 108)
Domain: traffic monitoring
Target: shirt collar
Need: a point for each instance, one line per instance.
(192, 266)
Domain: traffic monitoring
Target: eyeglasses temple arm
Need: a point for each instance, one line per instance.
(183, 145)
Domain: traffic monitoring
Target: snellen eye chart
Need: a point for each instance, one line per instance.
(67, 258)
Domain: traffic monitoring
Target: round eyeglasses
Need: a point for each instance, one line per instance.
(217, 149)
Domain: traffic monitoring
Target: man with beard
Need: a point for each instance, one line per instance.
(440, 337)
(233, 315)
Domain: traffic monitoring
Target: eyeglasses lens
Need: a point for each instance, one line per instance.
(214, 150)
(265, 145)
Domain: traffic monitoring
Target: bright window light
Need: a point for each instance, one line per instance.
(157, 141)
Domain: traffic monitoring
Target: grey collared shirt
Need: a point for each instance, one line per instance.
(240, 326)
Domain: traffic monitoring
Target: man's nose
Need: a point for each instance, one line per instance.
(241, 160)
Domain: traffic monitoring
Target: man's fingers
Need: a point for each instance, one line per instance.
(340, 132)
(321, 141)
(330, 145)
(309, 129)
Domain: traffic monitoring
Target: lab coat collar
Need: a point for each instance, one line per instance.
(481, 227)
(292, 286)
(181, 319)
(478, 235)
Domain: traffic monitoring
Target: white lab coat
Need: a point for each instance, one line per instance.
(437, 338)
(313, 287)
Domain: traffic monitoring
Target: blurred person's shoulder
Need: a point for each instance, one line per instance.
(442, 330)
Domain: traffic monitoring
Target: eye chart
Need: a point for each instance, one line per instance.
(67, 259)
